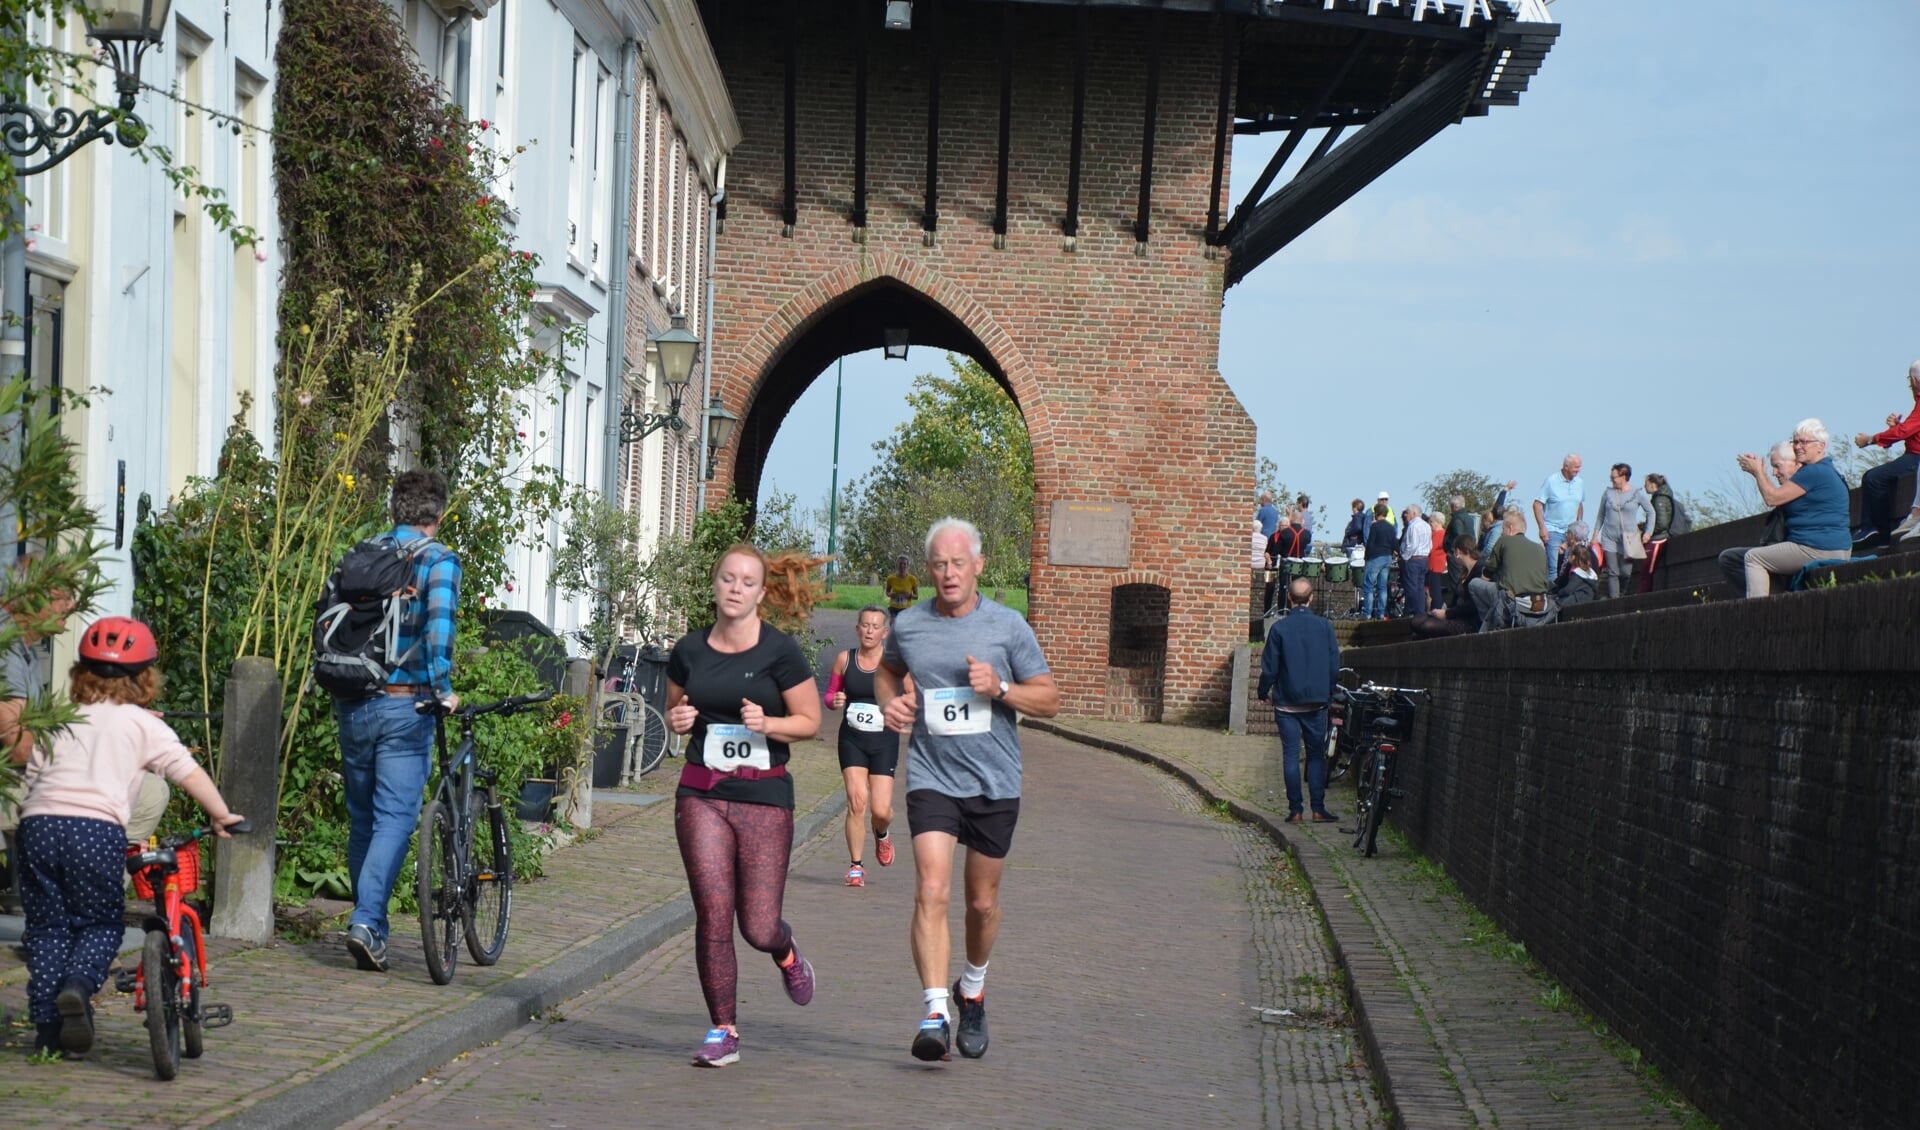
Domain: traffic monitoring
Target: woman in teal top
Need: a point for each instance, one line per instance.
(1815, 502)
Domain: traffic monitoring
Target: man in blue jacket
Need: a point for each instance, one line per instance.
(1297, 671)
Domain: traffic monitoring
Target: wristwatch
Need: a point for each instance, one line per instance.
(1003, 688)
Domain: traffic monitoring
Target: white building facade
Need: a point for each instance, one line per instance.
(625, 125)
(134, 291)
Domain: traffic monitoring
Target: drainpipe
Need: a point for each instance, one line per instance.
(706, 328)
(617, 284)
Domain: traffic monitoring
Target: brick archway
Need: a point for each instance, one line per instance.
(840, 312)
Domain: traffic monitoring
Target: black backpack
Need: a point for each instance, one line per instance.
(1679, 523)
(359, 614)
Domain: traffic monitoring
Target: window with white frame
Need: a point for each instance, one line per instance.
(47, 193)
(602, 173)
(672, 219)
(577, 153)
(656, 242)
(502, 23)
(643, 138)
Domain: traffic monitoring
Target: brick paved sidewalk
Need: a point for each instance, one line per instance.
(314, 1040)
(1460, 1035)
(1157, 967)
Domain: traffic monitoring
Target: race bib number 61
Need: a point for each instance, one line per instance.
(957, 710)
(731, 747)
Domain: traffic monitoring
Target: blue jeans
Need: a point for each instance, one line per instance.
(1373, 587)
(1555, 538)
(386, 752)
(1311, 729)
(1876, 493)
(1413, 578)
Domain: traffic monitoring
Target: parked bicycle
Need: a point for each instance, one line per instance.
(627, 700)
(1374, 716)
(172, 973)
(458, 893)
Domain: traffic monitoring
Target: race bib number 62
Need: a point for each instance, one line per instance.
(730, 747)
(957, 710)
(865, 717)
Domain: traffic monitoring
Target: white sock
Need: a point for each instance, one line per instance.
(973, 981)
(936, 1002)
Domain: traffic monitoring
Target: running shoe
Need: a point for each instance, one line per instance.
(883, 849)
(972, 1034)
(369, 952)
(932, 1041)
(1906, 525)
(720, 1048)
(856, 876)
(799, 978)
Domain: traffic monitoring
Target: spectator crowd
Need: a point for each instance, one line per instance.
(1519, 563)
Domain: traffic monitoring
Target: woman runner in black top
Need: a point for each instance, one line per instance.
(743, 690)
(869, 752)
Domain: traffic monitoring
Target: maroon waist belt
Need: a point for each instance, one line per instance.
(700, 777)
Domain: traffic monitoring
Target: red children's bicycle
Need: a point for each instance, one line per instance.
(167, 983)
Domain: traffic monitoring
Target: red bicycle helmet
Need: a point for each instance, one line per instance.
(121, 642)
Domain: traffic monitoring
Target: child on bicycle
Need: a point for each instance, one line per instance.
(73, 840)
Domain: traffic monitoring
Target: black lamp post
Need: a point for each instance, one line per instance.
(677, 349)
(38, 141)
(720, 425)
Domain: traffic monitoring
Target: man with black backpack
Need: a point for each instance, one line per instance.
(383, 641)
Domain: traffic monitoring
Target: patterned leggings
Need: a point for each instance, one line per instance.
(72, 884)
(736, 857)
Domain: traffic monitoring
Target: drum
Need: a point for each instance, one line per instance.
(1336, 571)
(1357, 557)
(1309, 566)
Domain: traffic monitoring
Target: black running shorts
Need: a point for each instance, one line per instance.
(980, 824)
(878, 758)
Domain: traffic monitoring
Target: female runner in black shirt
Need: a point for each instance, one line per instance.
(742, 689)
(869, 752)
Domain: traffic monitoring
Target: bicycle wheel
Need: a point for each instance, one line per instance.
(1376, 810)
(1336, 758)
(1363, 795)
(440, 903)
(192, 1040)
(163, 1018)
(490, 885)
(649, 735)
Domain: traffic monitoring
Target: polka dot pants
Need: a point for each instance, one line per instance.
(71, 882)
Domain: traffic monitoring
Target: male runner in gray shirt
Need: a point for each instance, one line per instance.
(974, 664)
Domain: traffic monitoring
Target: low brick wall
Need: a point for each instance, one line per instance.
(1705, 821)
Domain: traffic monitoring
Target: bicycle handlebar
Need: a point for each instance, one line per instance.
(505, 706)
(182, 839)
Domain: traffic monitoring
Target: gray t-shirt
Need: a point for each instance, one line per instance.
(20, 667)
(934, 649)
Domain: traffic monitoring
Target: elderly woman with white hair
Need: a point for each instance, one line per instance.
(1814, 504)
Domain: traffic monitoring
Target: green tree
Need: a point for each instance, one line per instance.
(964, 452)
(1437, 493)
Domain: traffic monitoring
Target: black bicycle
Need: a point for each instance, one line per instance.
(1374, 716)
(458, 893)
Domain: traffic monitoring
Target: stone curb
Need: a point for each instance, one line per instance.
(358, 1086)
(1370, 971)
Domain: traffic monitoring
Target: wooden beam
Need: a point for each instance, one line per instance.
(1223, 121)
(1006, 124)
(930, 217)
(1259, 189)
(1071, 226)
(862, 21)
(790, 204)
(1142, 221)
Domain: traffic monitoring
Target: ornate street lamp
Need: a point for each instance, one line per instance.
(38, 141)
(677, 349)
(720, 424)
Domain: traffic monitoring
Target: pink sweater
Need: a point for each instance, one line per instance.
(94, 767)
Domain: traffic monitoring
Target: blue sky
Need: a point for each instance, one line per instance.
(1700, 225)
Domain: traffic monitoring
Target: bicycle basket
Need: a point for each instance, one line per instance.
(186, 864)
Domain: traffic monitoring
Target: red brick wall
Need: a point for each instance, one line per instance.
(1111, 355)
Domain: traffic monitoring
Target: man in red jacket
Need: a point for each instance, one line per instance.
(1876, 488)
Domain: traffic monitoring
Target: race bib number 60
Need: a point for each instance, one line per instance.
(731, 747)
(865, 717)
(957, 710)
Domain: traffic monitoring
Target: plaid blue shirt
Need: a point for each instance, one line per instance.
(436, 583)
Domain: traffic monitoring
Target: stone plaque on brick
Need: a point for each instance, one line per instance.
(1090, 533)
